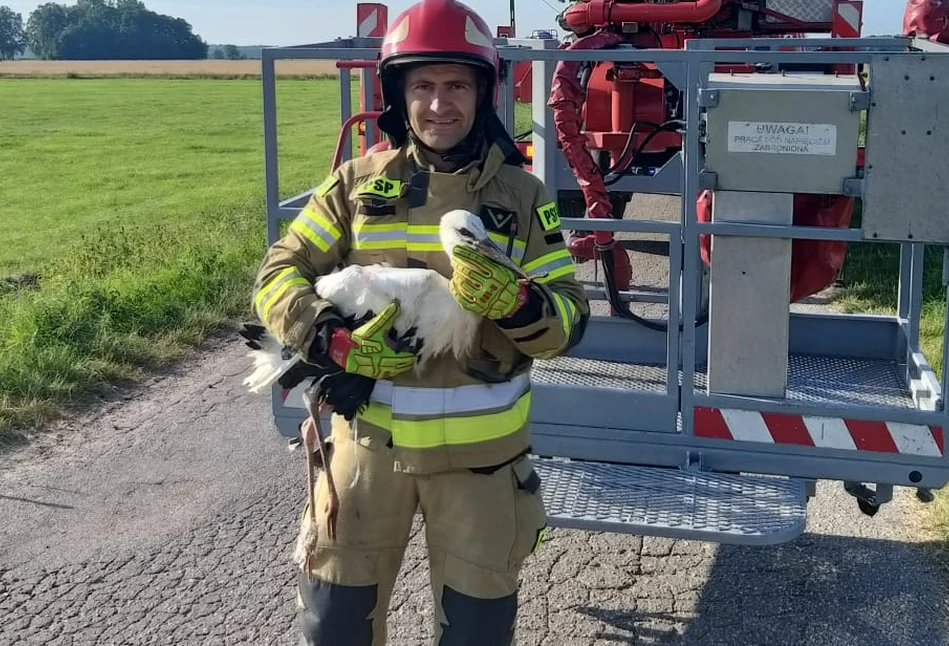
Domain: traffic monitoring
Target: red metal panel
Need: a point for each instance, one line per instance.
(372, 21)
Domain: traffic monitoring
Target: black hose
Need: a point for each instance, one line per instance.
(626, 147)
(613, 297)
(668, 126)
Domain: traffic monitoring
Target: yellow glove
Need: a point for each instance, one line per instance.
(365, 351)
(483, 286)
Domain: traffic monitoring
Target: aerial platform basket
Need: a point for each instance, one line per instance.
(717, 427)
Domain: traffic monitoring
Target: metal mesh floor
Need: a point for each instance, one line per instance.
(824, 380)
(670, 502)
(592, 373)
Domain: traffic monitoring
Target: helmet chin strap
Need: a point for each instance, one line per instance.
(462, 153)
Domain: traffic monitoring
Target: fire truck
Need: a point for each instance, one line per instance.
(790, 137)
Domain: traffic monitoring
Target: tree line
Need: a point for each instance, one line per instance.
(98, 30)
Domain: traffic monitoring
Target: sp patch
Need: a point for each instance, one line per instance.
(497, 219)
(549, 216)
(381, 187)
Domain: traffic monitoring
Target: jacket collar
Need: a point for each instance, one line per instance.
(480, 170)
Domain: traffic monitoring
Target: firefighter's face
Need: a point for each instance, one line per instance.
(442, 101)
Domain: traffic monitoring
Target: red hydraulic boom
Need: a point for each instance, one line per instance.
(616, 119)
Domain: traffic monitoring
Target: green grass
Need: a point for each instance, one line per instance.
(869, 280)
(139, 204)
(87, 154)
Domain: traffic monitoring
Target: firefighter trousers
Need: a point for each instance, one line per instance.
(480, 526)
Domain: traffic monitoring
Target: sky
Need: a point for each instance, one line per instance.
(296, 22)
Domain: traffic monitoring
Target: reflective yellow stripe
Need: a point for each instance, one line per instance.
(518, 250)
(270, 292)
(415, 237)
(442, 431)
(415, 402)
(412, 237)
(556, 273)
(423, 237)
(323, 189)
(426, 417)
(381, 187)
(567, 310)
(555, 264)
(316, 228)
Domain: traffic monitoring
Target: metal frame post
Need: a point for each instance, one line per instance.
(648, 426)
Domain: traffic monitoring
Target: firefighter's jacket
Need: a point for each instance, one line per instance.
(385, 207)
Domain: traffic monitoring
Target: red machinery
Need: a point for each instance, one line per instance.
(927, 19)
(629, 114)
(617, 118)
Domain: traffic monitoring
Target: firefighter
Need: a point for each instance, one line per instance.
(452, 441)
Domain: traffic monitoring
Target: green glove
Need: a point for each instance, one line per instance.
(483, 286)
(365, 351)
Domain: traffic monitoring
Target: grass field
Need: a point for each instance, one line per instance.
(134, 217)
(131, 152)
(869, 279)
(139, 203)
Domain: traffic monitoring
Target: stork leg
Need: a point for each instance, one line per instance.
(313, 435)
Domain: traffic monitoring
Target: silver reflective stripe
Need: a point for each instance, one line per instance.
(379, 237)
(423, 238)
(412, 401)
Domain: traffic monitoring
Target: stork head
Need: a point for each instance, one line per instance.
(461, 227)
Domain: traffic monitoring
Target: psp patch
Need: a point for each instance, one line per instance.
(549, 216)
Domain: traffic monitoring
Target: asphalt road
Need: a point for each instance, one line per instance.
(168, 517)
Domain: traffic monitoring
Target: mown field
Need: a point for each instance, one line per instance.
(134, 220)
(98, 155)
(134, 212)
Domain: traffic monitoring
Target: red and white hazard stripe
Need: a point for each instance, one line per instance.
(371, 19)
(822, 432)
(848, 19)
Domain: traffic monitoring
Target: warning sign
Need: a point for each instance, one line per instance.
(782, 138)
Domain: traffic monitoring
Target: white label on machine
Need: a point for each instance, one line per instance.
(782, 138)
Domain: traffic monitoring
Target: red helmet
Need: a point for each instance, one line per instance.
(439, 31)
(435, 31)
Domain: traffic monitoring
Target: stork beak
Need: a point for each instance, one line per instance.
(490, 249)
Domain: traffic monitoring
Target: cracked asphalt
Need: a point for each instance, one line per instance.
(168, 515)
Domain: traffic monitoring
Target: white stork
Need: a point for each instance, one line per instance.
(430, 319)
